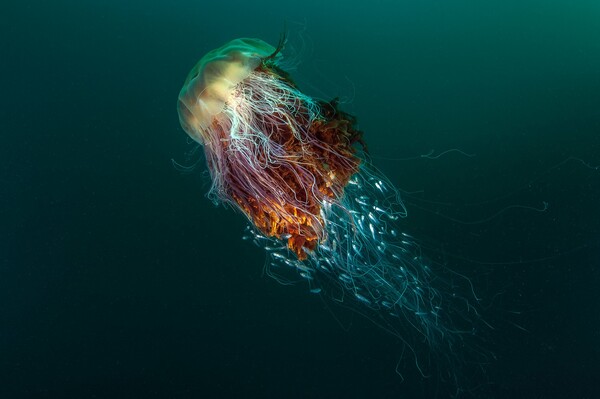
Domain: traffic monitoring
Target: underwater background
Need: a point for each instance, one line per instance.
(120, 279)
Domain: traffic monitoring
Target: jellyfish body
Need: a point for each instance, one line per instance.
(295, 166)
(273, 152)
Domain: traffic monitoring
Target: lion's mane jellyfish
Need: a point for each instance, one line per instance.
(297, 168)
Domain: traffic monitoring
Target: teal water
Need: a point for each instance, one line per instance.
(119, 279)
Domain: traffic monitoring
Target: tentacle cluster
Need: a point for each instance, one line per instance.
(279, 155)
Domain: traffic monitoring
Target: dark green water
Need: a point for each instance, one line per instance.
(119, 279)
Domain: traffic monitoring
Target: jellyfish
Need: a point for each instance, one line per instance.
(297, 167)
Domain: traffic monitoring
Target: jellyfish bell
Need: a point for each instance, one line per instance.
(210, 83)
